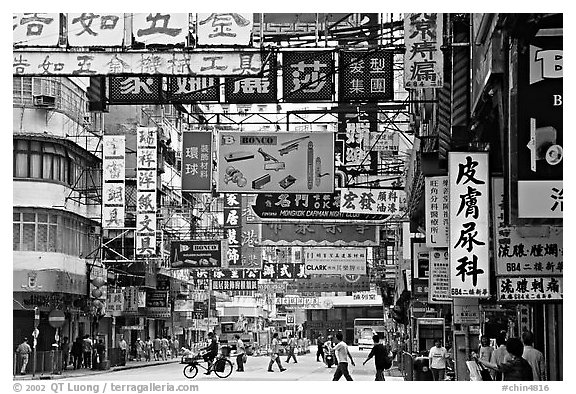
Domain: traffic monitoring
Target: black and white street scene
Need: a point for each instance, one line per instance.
(201, 198)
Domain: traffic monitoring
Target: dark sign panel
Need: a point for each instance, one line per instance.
(305, 206)
(307, 76)
(233, 228)
(222, 274)
(313, 234)
(135, 90)
(254, 89)
(193, 89)
(366, 76)
(197, 161)
(195, 254)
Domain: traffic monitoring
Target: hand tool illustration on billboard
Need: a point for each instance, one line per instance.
(285, 164)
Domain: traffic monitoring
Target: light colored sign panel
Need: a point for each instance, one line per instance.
(519, 251)
(439, 285)
(35, 29)
(157, 28)
(469, 235)
(224, 28)
(550, 203)
(136, 63)
(114, 302)
(373, 201)
(437, 218)
(95, 29)
(423, 59)
(335, 260)
(530, 289)
(466, 311)
(275, 162)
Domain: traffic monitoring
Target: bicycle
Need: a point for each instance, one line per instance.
(192, 364)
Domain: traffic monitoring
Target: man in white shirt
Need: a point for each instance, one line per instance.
(534, 357)
(437, 358)
(342, 355)
(275, 354)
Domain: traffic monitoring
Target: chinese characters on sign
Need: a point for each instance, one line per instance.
(423, 60)
(469, 236)
(146, 177)
(439, 283)
(530, 289)
(314, 234)
(224, 28)
(197, 161)
(366, 76)
(95, 30)
(251, 253)
(376, 201)
(193, 89)
(254, 89)
(135, 90)
(466, 311)
(335, 261)
(113, 176)
(156, 28)
(233, 228)
(518, 255)
(283, 271)
(308, 76)
(437, 211)
(114, 302)
(36, 29)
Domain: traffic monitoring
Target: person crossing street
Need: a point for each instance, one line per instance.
(275, 354)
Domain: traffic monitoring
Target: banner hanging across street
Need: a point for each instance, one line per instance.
(275, 162)
(314, 234)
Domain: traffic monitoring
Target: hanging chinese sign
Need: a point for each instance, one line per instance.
(237, 284)
(36, 29)
(251, 253)
(146, 178)
(160, 29)
(95, 30)
(374, 201)
(385, 141)
(304, 302)
(113, 176)
(437, 203)
(466, 311)
(131, 300)
(308, 76)
(518, 254)
(225, 274)
(196, 254)
(224, 29)
(192, 89)
(197, 161)
(536, 143)
(136, 63)
(254, 89)
(233, 229)
(283, 271)
(115, 302)
(275, 162)
(420, 259)
(272, 288)
(423, 59)
(313, 234)
(530, 289)
(322, 283)
(366, 76)
(135, 90)
(469, 235)
(335, 261)
(439, 281)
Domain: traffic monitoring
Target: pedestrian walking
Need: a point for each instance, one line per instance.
(291, 347)
(437, 357)
(534, 357)
(240, 353)
(499, 355)
(275, 354)
(123, 350)
(77, 353)
(164, 346)
(157, 346)
(87, 351)
(515, 367)
(342, 355)
(382, 357)
(23, 350)
(320, 351)
(485, 350)
(139, 345)
(175, 347)
(65, 352)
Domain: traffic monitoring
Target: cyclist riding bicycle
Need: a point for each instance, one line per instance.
(211, 352)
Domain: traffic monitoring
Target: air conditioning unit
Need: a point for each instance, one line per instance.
(44, 101)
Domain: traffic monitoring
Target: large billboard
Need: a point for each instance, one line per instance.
(275, 162)
(196, 254)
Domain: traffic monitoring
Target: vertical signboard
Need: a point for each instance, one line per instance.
(366, 76)
(197, 161)
(36, 29)
(536, 146)
(224, 28)
(113, 177)
(251, 253)
(307, 76)
(156, 28)
(146, 178)
(439, 284)
(469, 235)
(95, 30)
(437, 211)
(423, 59)
(233, 229)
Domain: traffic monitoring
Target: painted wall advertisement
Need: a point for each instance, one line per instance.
(275, 162)
(423, 60)
(437, 205)
(469, 231)
(335, 260)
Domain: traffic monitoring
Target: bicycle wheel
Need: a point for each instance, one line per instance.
(190, 371)
(228, 367)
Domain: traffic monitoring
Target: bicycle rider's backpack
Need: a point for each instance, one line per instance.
(220, 364)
